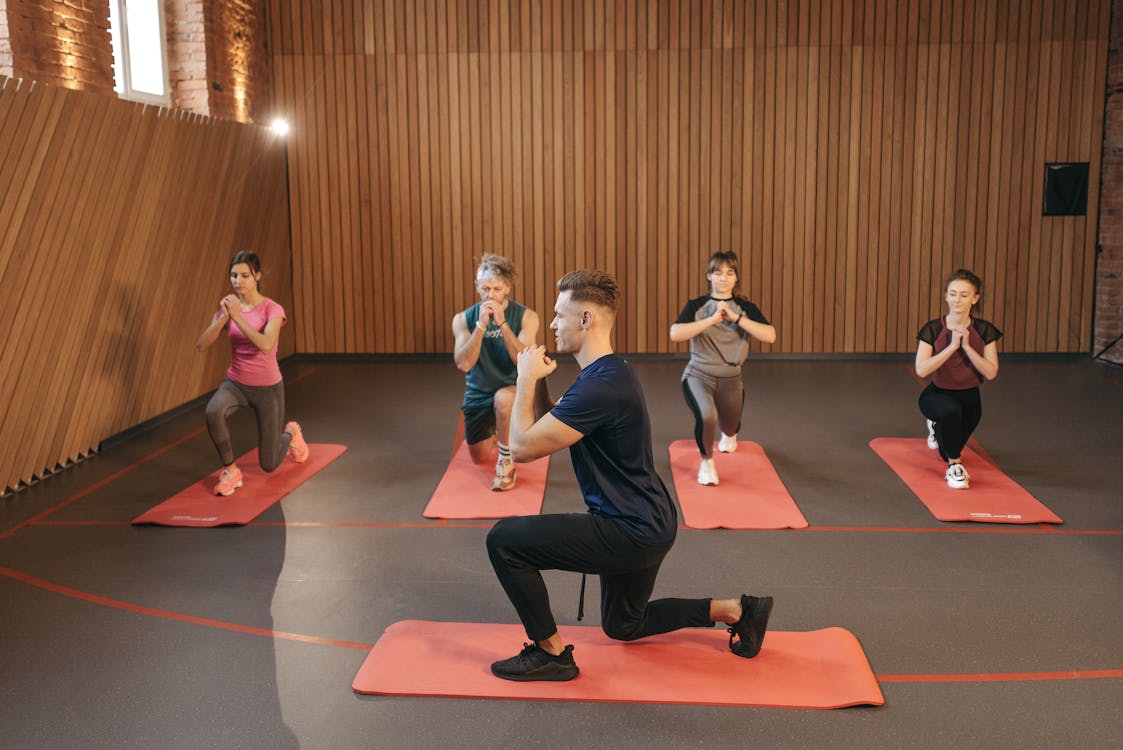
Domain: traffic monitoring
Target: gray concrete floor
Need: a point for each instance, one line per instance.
(79, 673)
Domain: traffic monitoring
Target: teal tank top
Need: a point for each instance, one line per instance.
(494, 369)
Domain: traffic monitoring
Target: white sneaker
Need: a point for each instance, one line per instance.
(727, 444)
(707, 474)
(932, 435)
(504, 476)
(957, 476)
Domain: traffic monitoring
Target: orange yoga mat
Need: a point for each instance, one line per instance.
(198, 506)
(465, 491)
(749, 493)
(992, 497)
(820, 669)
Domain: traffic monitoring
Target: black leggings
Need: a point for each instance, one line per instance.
(587, 543)
(956, 414)
(268, 403)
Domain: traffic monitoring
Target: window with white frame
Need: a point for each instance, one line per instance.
(140, 60)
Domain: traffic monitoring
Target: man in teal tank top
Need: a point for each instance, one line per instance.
(489, 336)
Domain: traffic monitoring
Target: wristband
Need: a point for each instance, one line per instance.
(738, 321)
(480, 326)
(503, 323)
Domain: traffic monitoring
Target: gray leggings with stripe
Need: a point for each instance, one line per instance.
(268, 403)
(716, 403)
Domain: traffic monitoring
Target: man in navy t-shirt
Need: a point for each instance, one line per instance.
(631, 523)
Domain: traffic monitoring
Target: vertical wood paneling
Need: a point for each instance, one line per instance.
(852, 152)
(119, 220)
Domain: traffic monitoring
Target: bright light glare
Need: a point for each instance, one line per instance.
(280, 126)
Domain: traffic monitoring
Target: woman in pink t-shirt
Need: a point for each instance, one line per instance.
(959, 351)
(253, 380)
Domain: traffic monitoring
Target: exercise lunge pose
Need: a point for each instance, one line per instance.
(489, 336)
(959, 351)
(253, 380)
(631, 523)
(718, 327)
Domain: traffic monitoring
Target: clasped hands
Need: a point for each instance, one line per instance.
(534, 363)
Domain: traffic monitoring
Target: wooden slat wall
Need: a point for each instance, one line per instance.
(852, 152)
(118, 222)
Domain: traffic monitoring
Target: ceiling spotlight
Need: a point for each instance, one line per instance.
(280, 126)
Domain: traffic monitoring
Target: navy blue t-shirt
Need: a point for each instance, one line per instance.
(613, 460)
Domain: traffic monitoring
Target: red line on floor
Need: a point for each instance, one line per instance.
(82, 523)
(301, 638)
(437, 524)
(446, 524)
(165, 614)
(34, 520)
(98, 485)
(982, 529)
(1084, 674)
(301, 376)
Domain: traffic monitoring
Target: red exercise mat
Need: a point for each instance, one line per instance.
(749, 494)
(198, 506)
(992, 497)
(820, 669)
(465, 490)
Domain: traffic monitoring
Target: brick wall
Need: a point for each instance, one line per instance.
(61, 42)
(1109, 266)
(5, 41)
(218, 61)
(185, 23)
(237, 59)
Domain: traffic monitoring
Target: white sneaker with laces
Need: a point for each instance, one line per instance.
(727, 444)
(932, 435)
(707, 473)
(504, 475)
(957, 476)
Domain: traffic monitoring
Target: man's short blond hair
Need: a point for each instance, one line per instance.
(498, 266)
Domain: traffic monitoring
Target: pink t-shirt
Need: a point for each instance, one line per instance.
(248, 364)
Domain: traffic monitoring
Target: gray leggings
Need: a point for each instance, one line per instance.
(268, 403)
(716, 402)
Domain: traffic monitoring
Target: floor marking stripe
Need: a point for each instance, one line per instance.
(1044, 530)
(120, 473)
(1091, 674)
(176, 616)
(98, 485)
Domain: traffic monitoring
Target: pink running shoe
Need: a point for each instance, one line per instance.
(229, 480)
(298, 449)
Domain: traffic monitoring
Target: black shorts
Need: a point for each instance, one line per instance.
(479, 423)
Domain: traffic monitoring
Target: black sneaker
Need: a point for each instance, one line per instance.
(533, 664)
(750, 628)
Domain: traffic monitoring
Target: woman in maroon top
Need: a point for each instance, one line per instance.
(959, 351)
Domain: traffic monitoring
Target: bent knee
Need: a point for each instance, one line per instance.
(268, 467)
(497, 536)
(215, 412)
(482, 452)
(621, 631)
(504, 399)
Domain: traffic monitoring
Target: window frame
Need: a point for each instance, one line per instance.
(122, 69)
